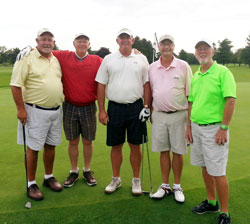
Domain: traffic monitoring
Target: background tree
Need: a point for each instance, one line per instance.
(224, 53)
(245, 53)
(236, 59)
(188, 57)
(102, 52)
(56, 47)
(145, 47)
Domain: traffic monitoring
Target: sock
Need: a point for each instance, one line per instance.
(175, 186)
(116, 178)
(74, 171)
(135, 178)
(165, 185)
(212, 202)
(84, 170)
(31, 182)
(47, 176)
(227, 213)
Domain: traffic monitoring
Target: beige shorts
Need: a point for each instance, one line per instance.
(43, 126)
(168, 132)
(205, 152)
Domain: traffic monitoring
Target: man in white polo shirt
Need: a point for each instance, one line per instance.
(124, 76)
(169, 80)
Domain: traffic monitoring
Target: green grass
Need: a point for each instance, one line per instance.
(5, 73)
(84, 204)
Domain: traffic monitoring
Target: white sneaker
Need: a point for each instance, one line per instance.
(114, 184)
(161, 192)
(136, 186)
(178, 195)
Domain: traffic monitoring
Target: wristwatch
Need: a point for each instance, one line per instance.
(224, 127)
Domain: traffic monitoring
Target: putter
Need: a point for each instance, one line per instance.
(28, 203)
(145, 138)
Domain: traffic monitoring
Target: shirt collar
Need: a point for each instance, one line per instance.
(210, 70)
(131, 55)
(81, 58)
(38, 54)
(172, 65)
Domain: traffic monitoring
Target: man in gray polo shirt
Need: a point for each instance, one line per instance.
(124, 76)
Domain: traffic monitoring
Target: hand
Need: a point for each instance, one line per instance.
(144, 114)
(103, 117)
(24, 52)
(189, 136)
(22, 116)
(136, 51)
(221, 137)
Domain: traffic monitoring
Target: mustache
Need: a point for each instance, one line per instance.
(46, 46)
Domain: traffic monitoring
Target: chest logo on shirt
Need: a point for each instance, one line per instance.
(135, 62)
(176, 77)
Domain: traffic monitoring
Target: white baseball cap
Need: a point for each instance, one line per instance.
(44, 30)
(204, 40)
(81, 35)
(126, 31)
(166, 37)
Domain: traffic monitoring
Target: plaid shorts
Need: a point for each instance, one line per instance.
(79, 120)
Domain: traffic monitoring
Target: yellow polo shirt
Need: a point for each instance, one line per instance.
(40, 79)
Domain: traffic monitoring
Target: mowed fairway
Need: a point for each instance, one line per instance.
(84, 204)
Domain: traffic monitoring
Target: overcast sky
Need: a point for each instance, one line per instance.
(186, 20)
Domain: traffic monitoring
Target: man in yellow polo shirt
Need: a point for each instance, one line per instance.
(211, 105)
(38, 93)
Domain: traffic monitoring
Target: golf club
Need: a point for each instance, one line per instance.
(28, 203)
(145, 139)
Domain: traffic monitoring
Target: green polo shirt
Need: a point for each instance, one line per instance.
(208, 92)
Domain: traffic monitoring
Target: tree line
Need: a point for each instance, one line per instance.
(223, 53)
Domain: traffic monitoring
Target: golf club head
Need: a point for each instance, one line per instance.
(28, 205)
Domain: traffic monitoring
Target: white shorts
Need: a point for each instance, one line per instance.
(168, 132)
(205, 152)
(43, 126)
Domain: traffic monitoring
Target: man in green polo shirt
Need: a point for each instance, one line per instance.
(211, 105)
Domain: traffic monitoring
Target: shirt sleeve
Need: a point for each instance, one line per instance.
(189, 76)
(190, 96)
(145, 70)
(102, 74)
(228, 86)
(19, 73)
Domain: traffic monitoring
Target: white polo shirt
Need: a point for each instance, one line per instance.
(124, 77)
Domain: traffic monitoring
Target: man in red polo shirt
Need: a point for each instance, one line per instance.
(79, 110)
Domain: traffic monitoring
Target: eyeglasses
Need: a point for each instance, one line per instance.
(200, 49)
(164, 44)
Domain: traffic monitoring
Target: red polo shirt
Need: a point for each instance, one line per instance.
(78, 77)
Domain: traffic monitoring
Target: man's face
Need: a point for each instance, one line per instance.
(166, 48)
(204, 53)
(45, 43)
(81, 45)
(125, 41)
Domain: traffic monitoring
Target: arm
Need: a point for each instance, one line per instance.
(189, 136)
(17, 96)
(147, 94)
(221, 136)
(103, 116)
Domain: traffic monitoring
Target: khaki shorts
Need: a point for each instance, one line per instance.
(43, 126)
(205, 152)
(168, 132)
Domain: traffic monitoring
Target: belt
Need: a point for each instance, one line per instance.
(169, 112)
(126, 104)
(209, 124)
(43, 108)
